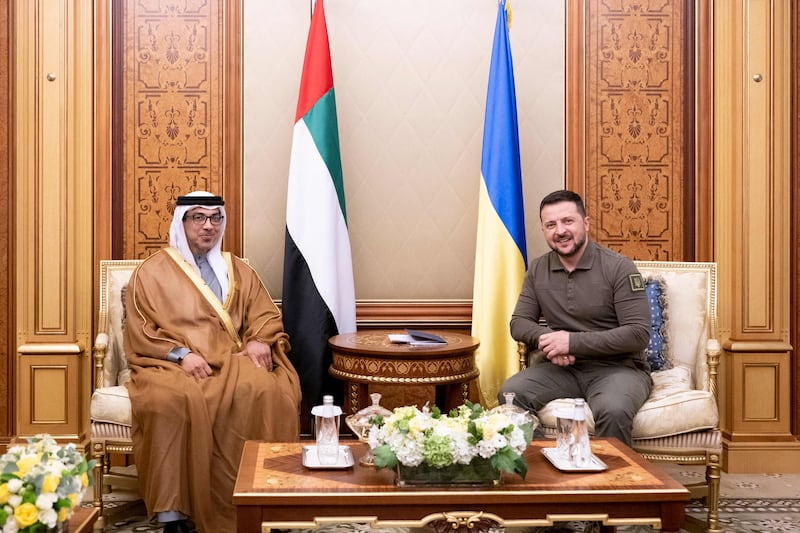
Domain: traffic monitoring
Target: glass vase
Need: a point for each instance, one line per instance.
(479, 472)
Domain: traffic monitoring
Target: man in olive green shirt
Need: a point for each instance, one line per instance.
(598, 323)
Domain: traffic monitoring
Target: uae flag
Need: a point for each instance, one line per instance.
(500, 251)
(318, 292)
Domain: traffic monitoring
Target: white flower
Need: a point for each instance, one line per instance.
(44, 472)
(46, 501)
(411, 436)
(48, 517)
(517, 440)
(489, 447)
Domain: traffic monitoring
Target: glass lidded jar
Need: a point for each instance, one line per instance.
(518, 415)
(360, 423)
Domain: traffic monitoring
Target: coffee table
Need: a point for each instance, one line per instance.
(275, 490)
(82, 520)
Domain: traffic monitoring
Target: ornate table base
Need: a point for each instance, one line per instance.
(368, 362)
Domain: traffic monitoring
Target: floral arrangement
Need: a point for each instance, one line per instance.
(468, 434)
(40, 485)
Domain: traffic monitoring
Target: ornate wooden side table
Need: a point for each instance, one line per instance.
(368, 358)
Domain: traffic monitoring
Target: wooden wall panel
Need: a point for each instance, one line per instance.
(752, 126)
(173, 115)
(52, 86)
(7, 323)
(794, 321)
(48, 384)
(636, 173)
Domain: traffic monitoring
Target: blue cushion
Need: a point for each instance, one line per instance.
(656, 351)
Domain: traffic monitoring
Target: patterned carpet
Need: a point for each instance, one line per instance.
(749, 503)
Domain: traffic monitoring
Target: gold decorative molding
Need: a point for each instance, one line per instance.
(50, 349)
(404, 380)
(757, 346)
(461, 521)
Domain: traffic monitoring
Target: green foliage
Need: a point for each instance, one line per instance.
(508, 461)
(384, 457)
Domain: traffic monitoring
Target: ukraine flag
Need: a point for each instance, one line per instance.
(500, 251)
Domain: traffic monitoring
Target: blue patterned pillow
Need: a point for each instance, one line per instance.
(656, 351)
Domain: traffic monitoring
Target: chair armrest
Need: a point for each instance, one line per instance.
(522, 351)
(101, 342)
(527, 357)
(713, 349)
(99, 355)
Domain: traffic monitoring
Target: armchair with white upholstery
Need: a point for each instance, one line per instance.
(679, 423)
(110, 429)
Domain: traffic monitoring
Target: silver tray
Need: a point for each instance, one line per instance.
(595, 464)
(310, 459)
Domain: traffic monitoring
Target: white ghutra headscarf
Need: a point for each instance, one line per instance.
(177, 235)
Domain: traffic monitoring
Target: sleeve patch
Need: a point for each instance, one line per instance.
(637, 284)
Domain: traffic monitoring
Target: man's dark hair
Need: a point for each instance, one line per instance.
(556, 197)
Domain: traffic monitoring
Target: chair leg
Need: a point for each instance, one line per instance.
(712, 500)
(98, 454)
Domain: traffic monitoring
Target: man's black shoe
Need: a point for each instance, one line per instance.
(179, 526)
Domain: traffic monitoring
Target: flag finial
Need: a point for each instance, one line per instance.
(508, 13)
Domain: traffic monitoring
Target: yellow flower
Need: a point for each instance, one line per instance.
(73, 498)
(84, 480)
(50, 483)
(25, 463)
(63, 514)
(416, 425)
(25, 515)
(493, 424)
(3, 493)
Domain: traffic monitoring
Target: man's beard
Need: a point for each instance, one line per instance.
(574, 250)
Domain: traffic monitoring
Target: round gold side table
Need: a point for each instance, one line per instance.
(368, 358)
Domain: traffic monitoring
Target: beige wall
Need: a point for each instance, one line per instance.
(410, 79)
